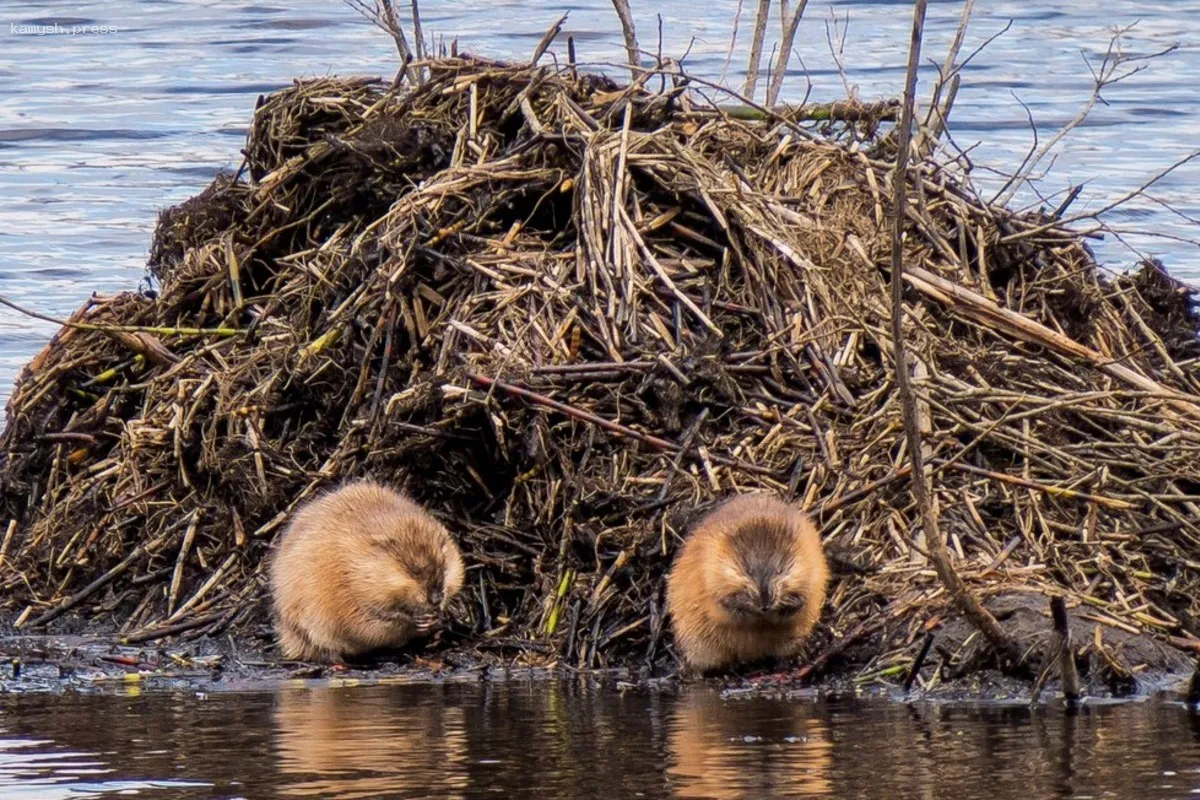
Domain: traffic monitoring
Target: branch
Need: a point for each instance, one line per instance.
(937, 115)
(548, 39)
(1125, 198)
(756, 47)
(383, 15)
(1004, 645)
(118, 329)
(737, 21)
(625, 15)
(838, 51)
(785, 50)
(1109, 74)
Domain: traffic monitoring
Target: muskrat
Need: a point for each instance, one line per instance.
(359, 569)
(747, 585)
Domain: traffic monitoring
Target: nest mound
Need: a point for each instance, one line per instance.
(568, 316)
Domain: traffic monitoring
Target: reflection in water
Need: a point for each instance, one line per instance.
(747, 749)
(575, 741)
(334, 744)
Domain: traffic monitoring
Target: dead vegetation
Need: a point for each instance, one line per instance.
(568, 315)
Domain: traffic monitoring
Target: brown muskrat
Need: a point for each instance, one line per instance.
(359, 569)
(748, 583)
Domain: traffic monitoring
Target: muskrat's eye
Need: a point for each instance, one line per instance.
(790, 603)
(739, 603)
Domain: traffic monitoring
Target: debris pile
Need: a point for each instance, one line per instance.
(568, 315)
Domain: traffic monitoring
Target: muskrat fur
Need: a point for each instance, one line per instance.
(359, 569)
(748, 584)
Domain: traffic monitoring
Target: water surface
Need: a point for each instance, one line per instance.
(545, 740)
(101, 130)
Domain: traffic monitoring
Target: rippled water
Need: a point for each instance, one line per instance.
(99, 131)
(544, 740)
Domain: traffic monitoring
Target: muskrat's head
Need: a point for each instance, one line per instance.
(761, 577)
(413, 571)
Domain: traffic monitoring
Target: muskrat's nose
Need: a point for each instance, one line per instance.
(435, 597)
(764, 598)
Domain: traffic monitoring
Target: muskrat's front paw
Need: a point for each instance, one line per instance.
(425, 624)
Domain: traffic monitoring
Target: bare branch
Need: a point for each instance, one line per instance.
(737, 20)
(756, 48)
(838, 50)
(945, 74)
(418, 33)
(948, 81)
(548, 39)
(625, 15)
(791, 25)
(1125, 198)
(382, 13)
(938, 552)
(1112, 70)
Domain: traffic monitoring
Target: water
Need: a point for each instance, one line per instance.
(544, 740)
(101, 130)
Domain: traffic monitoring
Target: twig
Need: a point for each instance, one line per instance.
(756, 48)
(938, 114)
(629, 31)
(177, 574)
(1066, 203)
(835, 648)
(383, 15)
(918, 662)
(206, 587)
(1066, 654)
(991, 313)
(1109, 73)
(548, 39)
(733, 35)
(791, 25)
(8, 537)
(839, 111)
(418, 33)
(607, 424)
(685, 444)
(658, 270)
(858, 494)
(151, 634)
(1054, 491)
(1125, 198)
(118, 329)
(571, 411)
(938, 552)
(838, 51)
(94, 586)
